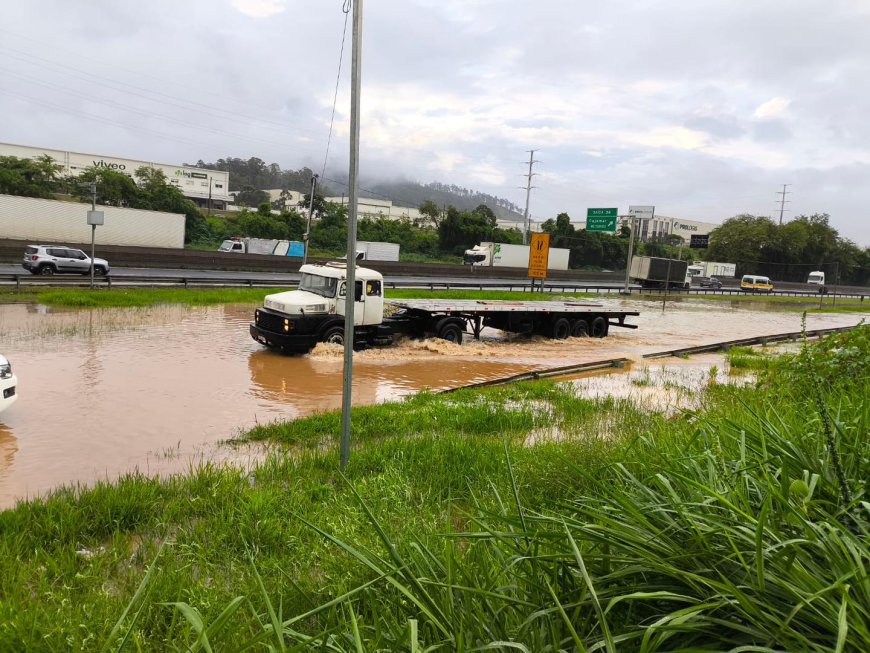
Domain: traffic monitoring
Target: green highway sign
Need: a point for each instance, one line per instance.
(601, 219)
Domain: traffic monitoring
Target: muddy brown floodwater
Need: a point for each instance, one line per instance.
(108, 391)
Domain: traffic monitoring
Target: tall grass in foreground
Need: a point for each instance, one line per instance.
(719, 529)
(737, 538)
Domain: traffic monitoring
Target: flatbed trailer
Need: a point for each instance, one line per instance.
(547, 318)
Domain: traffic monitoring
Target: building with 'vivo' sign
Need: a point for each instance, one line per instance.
(204, 187)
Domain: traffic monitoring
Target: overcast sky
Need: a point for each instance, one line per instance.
(701, 108)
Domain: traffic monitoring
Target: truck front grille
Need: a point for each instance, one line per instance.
(269, 321)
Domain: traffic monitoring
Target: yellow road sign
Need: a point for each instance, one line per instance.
(539, 253)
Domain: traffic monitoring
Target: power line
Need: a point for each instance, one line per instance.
(114, 83)
(346, 9)
(142, 112)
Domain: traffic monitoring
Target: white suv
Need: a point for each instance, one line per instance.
(57, 259)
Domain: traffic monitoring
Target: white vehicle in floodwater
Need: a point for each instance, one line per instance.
(8, 383)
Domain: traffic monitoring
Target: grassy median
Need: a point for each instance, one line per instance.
(141, 297)
(513, 518)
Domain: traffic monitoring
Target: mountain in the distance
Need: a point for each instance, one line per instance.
(405, 192)
(254, 173)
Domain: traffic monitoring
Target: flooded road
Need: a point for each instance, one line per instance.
(108, 391)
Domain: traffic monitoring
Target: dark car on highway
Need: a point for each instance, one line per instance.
(712, 282)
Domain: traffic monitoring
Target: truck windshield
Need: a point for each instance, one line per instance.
(474, 258)
(323, 286)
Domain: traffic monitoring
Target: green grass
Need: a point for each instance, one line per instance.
(744, 524)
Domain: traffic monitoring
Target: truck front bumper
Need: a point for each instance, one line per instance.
(297, 343)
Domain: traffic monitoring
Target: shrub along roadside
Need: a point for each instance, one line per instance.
(722, 528)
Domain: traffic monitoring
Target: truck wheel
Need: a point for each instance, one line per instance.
(451, 332)
(579, 329)
(334, 335)
(46, 270)
(561, 329)
(599, 327)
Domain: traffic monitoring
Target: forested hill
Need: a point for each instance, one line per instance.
(254, 173)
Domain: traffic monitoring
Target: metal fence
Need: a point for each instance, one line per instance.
(23, 281)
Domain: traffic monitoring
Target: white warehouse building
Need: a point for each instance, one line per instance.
(659, 227)
(204, 187)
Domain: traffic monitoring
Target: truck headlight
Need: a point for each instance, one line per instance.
(6, 371)
(288, 325)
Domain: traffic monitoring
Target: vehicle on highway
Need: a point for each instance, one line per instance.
(755, 283)
(712, 282)
(657, 272)
(503, 255)
(8, 383)
(59, 259)
(295, 321)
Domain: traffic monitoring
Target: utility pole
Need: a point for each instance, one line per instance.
(209, 194)
(353, 183)
(782, 202)
(630, 251)
(307, 235)
(528, 192)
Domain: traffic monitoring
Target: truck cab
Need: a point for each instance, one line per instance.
(477, 255)
(295, 320)
(232, 245)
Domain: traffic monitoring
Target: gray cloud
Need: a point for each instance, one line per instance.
(703, 110)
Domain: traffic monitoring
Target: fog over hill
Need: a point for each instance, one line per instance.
(255, 173)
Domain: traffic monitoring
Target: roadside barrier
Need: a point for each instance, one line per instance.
(27, 280)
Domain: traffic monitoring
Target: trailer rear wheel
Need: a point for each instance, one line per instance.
(579, 329)
(334, 335)
(560, 329)
(451, 332)
(599, 327)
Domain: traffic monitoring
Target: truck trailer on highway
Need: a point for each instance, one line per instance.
(295, 321)
(655, 272)
(712, 269)
(51, 221)
(376, 251)
(502, 255)
(270, 246)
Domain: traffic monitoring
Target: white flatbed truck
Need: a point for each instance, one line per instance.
(295, 321)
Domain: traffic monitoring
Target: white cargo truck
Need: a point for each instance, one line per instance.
(655, 272)
(51, 221)
(503, 255)
(712, 269)
(293, 322)
(268, 246)
(376, 251)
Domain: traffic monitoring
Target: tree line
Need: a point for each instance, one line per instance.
(757, 244)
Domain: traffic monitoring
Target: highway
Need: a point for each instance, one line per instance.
(133, 276)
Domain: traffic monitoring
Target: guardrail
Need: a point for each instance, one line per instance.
(27, 280)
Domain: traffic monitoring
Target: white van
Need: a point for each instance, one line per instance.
(816, 278)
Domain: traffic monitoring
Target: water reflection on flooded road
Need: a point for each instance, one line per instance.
(107, 391)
